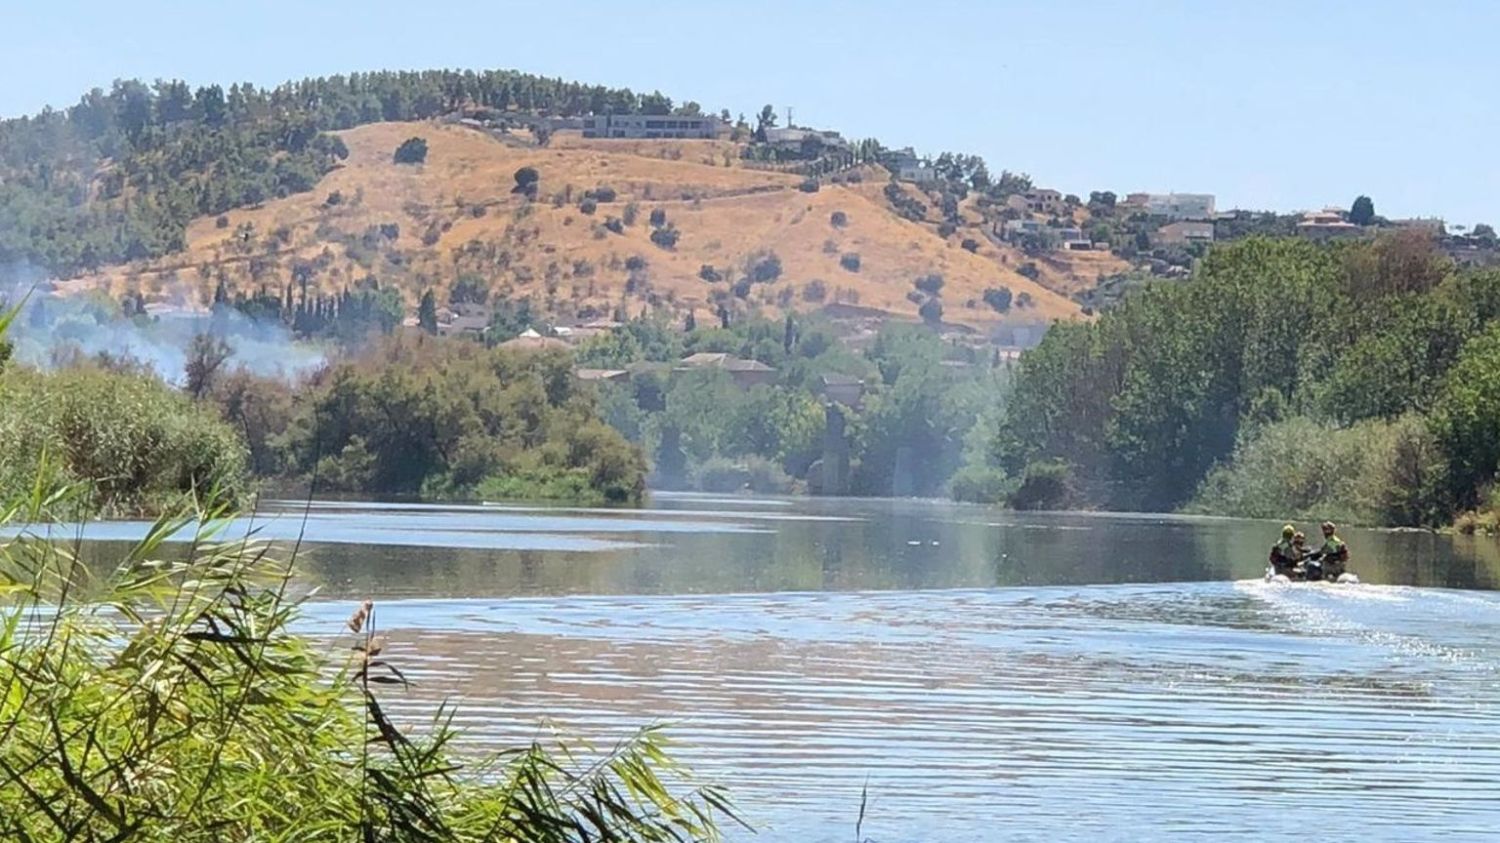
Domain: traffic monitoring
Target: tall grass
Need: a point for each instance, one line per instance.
(169, 700)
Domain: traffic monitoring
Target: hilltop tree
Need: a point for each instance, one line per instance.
(411, 151)
(1362, 212)
(763, 121)
(427, 312)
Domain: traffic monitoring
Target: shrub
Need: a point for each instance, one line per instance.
(665, 237)
(635, 263)
(979, 483)
(808, 185)
(814, 291)
(838, 219)
(709, 274)
(603, 193)
(1029, 270)
(998, 298)
(527, 182)
(588, 206)
(763, 267)
(850, 261)
(970, 245)
(631, 211)
(1024, 301)
(658, 217)
(947, 229)
(411, 151)
(222, 221)
(333, 199)
(931, 284)
(931, 311)
(614, 224)
(1045, 485)
(753, 474)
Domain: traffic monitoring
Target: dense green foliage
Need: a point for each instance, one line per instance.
(439, 419)
(1145, 402)
(906, 436)
(119, 175)
(139, 444)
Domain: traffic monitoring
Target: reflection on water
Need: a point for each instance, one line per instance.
(991, 675)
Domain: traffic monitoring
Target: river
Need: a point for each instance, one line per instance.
(981, 675)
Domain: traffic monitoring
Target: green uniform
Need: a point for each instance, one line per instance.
(1334, 554)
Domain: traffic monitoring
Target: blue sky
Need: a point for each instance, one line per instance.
(1272, 104)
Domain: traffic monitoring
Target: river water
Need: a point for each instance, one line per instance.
(980, 675)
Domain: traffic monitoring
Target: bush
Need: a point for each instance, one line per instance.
(221, 221)
(850, 261)
(709, 274)
(614, 224)
(1045, 485)
(411, 151)
(814, 291)
(931, 311)
(141, 446)
(838, 219)
(1029, 270)
(1375, 472)
(808, 185)
(333, 199)
(527, 182)
(603, 193)
(588, 206)
(665, 237)
(763, 267)
(947, 229)
(981, 484)
(631, 211)
(970, 245)
(635, 263)
(658, 217)
(752, 474)
(931, 284)
(998, 298)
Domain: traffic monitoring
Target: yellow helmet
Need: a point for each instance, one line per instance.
(1287, 531)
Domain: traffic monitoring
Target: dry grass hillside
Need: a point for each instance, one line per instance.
(421, 226)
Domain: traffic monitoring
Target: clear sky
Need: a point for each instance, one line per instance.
(1268, 104)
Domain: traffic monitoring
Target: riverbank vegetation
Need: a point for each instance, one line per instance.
(1284, 378)
(164, 697)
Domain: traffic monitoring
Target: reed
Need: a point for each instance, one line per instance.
(167, 698)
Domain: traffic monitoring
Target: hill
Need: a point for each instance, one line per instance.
(426, 225)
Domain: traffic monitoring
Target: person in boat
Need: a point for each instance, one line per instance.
(1334, 554)
(1299, 549)
(1283, 558)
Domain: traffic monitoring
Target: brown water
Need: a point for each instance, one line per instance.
(988, 675)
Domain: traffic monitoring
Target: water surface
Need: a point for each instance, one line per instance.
(988, 675)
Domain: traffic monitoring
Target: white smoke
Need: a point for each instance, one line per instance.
(52, 329)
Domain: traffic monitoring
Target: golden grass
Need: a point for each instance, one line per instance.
(725, 214)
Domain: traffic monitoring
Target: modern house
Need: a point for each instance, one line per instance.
(474, 326)
(705, 127)
(1043, 201)
(1174, 206)
(744, 373)
(1327, 224)
(805, 143)
(530, 340)
(906, 166)
(1183, 232)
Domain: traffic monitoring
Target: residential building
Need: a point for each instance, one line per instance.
(474, 326)
(744, 373)
(1044, 201)
(906, 166)
(1183, 232)
(1174, 206)
(1327, 224)
(651, 126)
(1432, 225)
(530, 340)
(806, 143)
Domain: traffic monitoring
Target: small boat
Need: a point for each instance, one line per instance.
(1312, 570)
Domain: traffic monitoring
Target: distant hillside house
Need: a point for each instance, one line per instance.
(1174, 206)
(530, 340)
(1432, 225)
(805, 143)
(474, 326)
(603, 375)
(705, 127)
(744, 373)
(1042, 201)
(906, 166)
(1183, 232)
(1327, 224)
